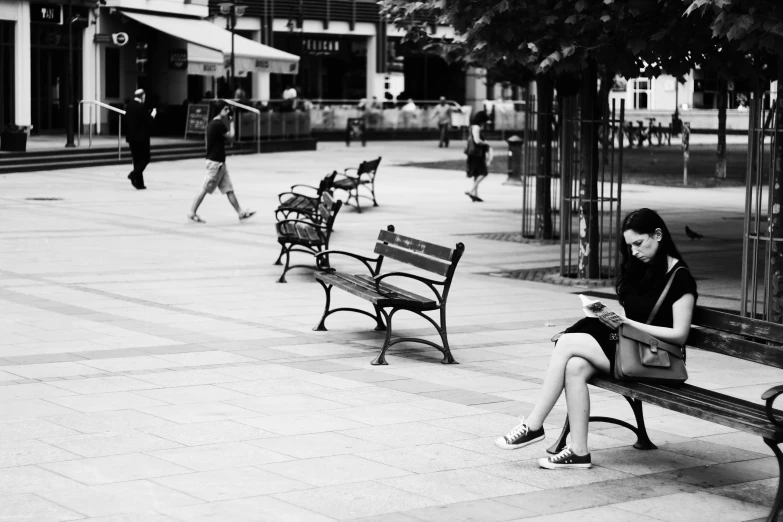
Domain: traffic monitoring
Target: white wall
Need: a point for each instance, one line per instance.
(22, 67)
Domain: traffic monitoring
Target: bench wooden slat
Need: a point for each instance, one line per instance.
(364, 287)
(416, 245)
(733, 346)
(694, 402)
(735, 324)
(419, 261)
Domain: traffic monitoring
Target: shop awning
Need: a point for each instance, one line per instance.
(209, 47)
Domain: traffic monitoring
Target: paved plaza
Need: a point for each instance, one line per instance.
(151, 369)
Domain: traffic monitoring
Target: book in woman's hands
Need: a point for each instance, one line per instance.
(598, 309)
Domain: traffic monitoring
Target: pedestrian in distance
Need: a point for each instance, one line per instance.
(442, 115)
(649, 260)
(138, 136)
(219, 131)
(478, 152)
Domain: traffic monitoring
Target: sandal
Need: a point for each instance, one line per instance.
(194, 218)
(246, 214)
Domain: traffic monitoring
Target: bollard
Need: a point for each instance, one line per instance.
(515, 144)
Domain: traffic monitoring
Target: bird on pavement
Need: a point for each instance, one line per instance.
(692, 234)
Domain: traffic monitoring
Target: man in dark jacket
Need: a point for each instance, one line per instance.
(139, 120)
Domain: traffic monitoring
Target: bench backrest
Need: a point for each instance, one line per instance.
(368, 167)
(326, 184)
(328, 208)
(735, 336)
(427, 256)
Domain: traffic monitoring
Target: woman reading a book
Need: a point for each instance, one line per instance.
(587, 348)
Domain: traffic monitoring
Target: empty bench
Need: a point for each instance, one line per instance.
(373, 287)
(309, 234)
(304, 204)
(358, 183)
(729, 335)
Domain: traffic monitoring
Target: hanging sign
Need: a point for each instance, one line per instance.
(178, 59)
(46, 13)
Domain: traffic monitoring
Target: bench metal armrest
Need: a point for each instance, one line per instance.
(293, 187)
(770, 396)
(308, 223)
(430, 283)
(363, 259)
(293, 193)
(299, 213)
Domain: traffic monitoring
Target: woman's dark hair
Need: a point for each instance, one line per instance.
(635, 273)
(480, 118)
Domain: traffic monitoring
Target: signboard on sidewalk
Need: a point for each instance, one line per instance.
(197, 119)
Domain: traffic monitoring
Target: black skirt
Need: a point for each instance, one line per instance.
(605, 336)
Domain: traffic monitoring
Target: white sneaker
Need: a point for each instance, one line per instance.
(520, 437)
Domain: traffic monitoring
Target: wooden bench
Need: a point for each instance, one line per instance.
(307, 235)
(729, 335)
(303, 204)
(373, 287)
(359, 184)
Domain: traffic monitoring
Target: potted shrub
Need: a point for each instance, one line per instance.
(13, 138)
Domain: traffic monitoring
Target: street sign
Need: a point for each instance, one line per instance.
(118, 39)
(46, 13)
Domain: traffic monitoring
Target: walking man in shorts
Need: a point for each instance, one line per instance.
(219, 130)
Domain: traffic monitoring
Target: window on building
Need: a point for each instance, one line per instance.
(642, 93)
(112, 72)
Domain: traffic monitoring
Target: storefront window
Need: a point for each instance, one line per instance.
(6, 73)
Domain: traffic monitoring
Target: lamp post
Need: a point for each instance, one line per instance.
(233, 11)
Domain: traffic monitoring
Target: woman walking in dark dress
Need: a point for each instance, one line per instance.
(649, 258)
(477, 150)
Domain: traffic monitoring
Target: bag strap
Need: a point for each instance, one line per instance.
(663, 295)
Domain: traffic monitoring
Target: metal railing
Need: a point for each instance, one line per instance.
(93, 112)
(258, 119)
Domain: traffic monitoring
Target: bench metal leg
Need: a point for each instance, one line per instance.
(447, 357)
(778, 503)
(328, 289)
(287, 262)
(379, 327)
(355, 194)
(282, 251)
(643, 442)
(381, 359)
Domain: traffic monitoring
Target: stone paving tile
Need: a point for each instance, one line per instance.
(33, 508)
(201, 433)
(317, 445)
(597, 514)
(301, 423)
(430, 458)
(32, 390)
(528, 472)
(466, 397)
(728, 473)
(30, 479)
(369, 396)
(388, 414)
(294, 403)
(636, 462)
(116, 421)
(124, 364)
(186, 377)
(458, 485)
(710, 451)
(136, 496)
(106, 402)
(485, 425)
(110, 443)
(192, 394)
(199, 412)
(226, 455)
(226, 484)
(148, 516)
(273, 387)
(696, 507)
(413, 386)
(334, 470)
(356, 500)
(473, 511)
(31, 429)
(760, 492)
(252, 509)
(24, 452)
(116, 383)
(204, 358)
(117, 468)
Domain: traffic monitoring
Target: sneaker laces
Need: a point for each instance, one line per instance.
(564, 454)
(520, 430)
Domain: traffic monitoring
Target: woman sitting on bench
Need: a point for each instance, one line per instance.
(588, 347)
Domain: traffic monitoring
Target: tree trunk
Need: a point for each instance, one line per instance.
(720, 163)
(775, 269)
(589, 238)
(544, 167)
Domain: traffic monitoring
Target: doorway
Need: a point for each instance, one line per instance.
(49, 72)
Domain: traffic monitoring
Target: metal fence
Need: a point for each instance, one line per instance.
(761, 290)
(590, 204)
